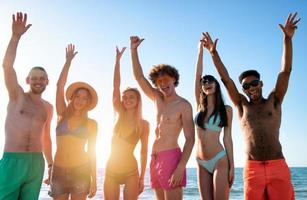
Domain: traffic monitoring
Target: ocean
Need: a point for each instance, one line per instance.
(299, 181)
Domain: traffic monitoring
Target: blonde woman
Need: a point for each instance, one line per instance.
(74, 169)
(122, 166)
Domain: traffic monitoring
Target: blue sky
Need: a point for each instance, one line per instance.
(249, 37)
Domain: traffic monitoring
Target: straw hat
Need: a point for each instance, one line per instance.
(74, 86)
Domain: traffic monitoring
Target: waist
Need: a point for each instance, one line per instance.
(162, 144)
(120, 165)
(64, 159)
(255, 163)
(22, 155)
(166, 151)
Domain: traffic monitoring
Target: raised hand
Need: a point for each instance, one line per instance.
(208, 43)
(19, 25)
(70, 52)
(119, 53)
(289, 28)
(135, 41)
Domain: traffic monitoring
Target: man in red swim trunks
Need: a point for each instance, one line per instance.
(174, 113)
(266, 174)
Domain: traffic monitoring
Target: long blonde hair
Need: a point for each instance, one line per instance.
(122, 114)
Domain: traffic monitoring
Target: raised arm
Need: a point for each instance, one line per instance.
(19, 27)
(199, 71)
(116, 80)
(286, 64)
(227, 140)
(60, 100)
(233, 92)
(144, 151)
(137, 69)
(189, 134)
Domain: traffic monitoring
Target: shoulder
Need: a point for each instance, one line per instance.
(185, 104)
(145, 123)
(92, 123)
(48, 107)
(228, 108)
(47, 104)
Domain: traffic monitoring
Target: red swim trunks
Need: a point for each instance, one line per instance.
(267, 180)
(162, 166)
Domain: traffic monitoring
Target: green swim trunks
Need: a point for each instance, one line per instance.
(21, 175)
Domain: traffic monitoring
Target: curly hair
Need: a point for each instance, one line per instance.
(163, 69)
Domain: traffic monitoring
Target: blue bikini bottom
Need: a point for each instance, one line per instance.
(210, 164)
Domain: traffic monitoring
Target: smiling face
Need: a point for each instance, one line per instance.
(130, 99)
(252, 87)
(165, 84)
(208, 86)
(38, 80)
(81, 99)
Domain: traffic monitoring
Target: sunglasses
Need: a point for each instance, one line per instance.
(253, 83)
(207, 81)
(164, 79)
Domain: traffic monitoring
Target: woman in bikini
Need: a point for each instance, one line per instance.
(215, 164)
(74, 170)
(130, 127)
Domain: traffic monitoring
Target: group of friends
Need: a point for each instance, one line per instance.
(72, 170)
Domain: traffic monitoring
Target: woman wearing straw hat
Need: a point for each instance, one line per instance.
(122, 167)
(74, 169)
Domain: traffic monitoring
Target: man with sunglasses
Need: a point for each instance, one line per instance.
(174, 113)
(266, 174)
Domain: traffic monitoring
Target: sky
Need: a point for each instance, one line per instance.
(249, 38)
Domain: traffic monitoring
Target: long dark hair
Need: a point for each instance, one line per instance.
(219, 106)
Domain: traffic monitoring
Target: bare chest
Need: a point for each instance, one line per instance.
(169, 113)
(26, 110)
(261, 118)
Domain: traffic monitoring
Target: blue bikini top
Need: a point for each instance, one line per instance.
(80, 131)
(211, 124)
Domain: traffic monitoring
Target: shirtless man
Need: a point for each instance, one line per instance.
(266, 174)
(174, 113)
(27, 126)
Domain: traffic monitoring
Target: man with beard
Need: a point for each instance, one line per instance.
(174, 113)
(266, 174)
(27, 126)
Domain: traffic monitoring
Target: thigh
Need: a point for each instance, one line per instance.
(59, 187)
(131, 188)
(62, 197)
(254, 184)
(111, 189)
(159, 192)
(31, 188)
(173, 194)
(280, 186)
(78, 196)
(205, 183)
(12, 171)
(220, 179)
(80, 180)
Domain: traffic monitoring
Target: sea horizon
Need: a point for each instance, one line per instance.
(190, 192)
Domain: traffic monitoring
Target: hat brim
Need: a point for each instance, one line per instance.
(74, 86)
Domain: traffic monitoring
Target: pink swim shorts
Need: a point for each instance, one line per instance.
(162, 166)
